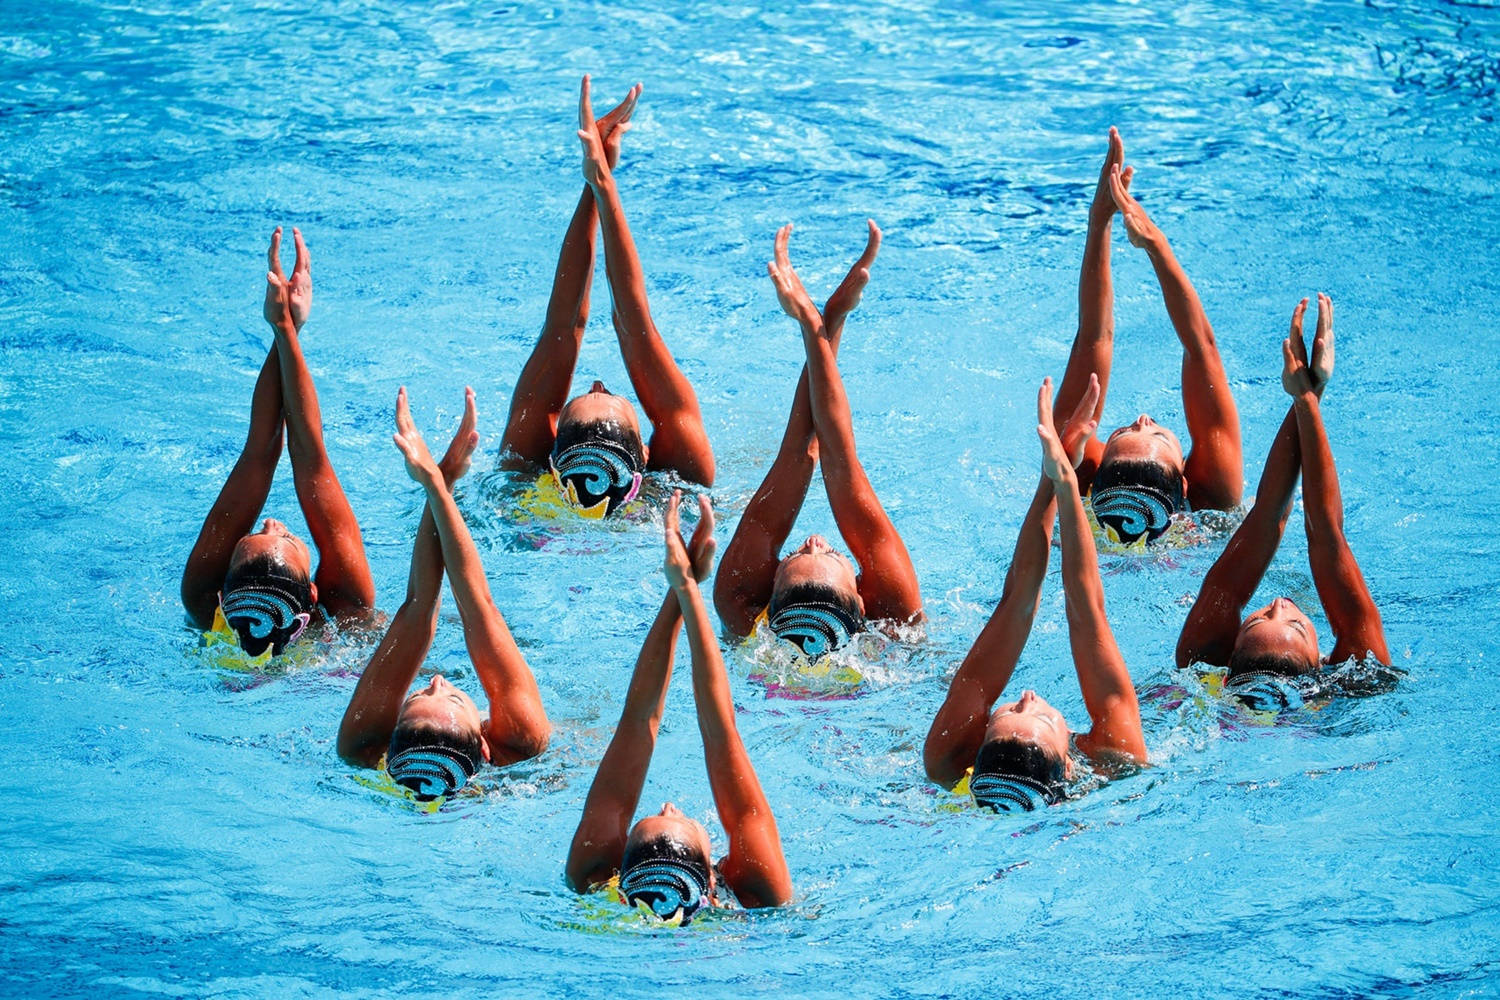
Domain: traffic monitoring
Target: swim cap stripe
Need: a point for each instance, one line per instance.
(1011, 792)
(816, 628)
(1133, 511)
(264, 609)
(432, 771)
(1265, 692)
(595, 473)
(668, 886)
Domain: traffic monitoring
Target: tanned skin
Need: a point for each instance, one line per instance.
(965, 722)
(517, 726)
(284, 407)
(819, 430)
(1213, 469)
(679, 443)
(1217, 623)
(755, 867)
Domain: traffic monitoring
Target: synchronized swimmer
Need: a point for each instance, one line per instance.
(255, 591)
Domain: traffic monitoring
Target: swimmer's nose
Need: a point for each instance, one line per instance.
(668, 809)
(816, 543)
(598, 386)
(439, 682)
(1143, 421)
(1281, 608)
(270, 525)
(1027, 699)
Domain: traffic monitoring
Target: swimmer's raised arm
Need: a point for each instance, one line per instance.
(1215, 466)
(957, 731)
(373, 710)
(1108, 693)
(240, 501)
(755, 867)
(542, 389)
(244, 494)
(598, 846)
(1209, 632)
(1357, 628)
(517, 727)
(345, 586)
(679, 441)
(1093, 346)
(747, 572)
(887, 581)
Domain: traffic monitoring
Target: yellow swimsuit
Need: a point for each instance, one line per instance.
(825, 676)
(220, 649)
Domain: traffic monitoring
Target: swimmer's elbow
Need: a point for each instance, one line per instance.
(940, 759)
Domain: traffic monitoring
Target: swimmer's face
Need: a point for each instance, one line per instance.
(815, 561)
(600, 404)
(274, 540)
(680, 827)
(1031, 720)
(445, 707)
(1144, 441)
(1279, 629)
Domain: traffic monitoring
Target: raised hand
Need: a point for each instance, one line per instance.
(845, 297)
(703, 545)
(1055, 460)
(789, 291)
(1104, 205)
(1296, 377)
(613, 126)
(1138, 225)
(300, 286)
(1081, 423)
(277, 307)
(419, 463)
(595, 161)
(1322, 352)
(455, 462)
(678, 567)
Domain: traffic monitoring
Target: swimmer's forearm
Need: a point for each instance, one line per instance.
(1322, 501)
(1183, 305)
(1082, 588)
(646, 696)
(567, 308)
(299, 395)
(460, 557)
(627, 280)
(710, 682)
(829, 401)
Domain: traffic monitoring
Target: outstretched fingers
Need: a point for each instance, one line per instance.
(1054, 458)
(273, 255)
(703, 545)
(1322, 352)
(1081, 422)
(455, 463)
(302, 263)
(586, 121)
(1119, 187)
(1294, 339)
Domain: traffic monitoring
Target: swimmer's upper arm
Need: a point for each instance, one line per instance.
(597, 849)
(1357, 626)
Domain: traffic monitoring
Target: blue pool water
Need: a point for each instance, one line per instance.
(170, 830)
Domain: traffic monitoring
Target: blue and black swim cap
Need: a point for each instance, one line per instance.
(1134, 499)
(597, 466)
(1013, 775)
(266, 604)
(817, 619)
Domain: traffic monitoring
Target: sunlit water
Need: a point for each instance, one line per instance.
(169, 830)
